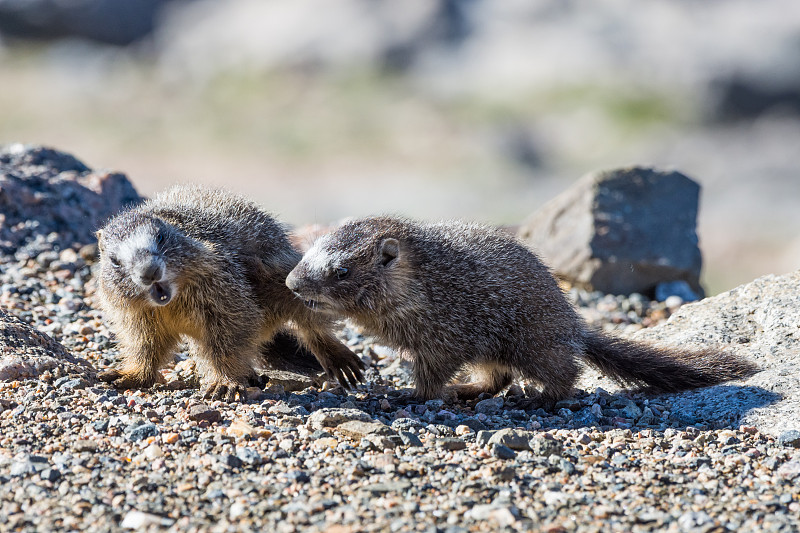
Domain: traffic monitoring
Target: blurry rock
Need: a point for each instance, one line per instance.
(760, 320)
(621, 231)
(206, 36)
(26, 353)
(680, 289)
(47, 195)
(105, 21)
(290, 381)
(746, 98)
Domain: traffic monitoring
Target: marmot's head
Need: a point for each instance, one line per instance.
(361, 267)
(139, 258)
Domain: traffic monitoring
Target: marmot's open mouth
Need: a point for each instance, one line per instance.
(160, 293)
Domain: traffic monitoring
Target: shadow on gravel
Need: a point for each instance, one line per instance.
(719, 406)
(711, 408)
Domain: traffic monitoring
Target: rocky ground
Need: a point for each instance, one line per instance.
(78, 455)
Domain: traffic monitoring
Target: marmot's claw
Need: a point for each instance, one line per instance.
(109, 376)
(349, 374)
(226, 392)
(121, 380)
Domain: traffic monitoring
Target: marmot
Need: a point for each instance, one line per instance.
(452, 295)
(209, 266)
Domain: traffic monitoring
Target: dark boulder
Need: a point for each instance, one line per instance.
(621, 231)
(50, 199)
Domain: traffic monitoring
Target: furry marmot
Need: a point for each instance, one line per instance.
(455, 295)
(210, 267)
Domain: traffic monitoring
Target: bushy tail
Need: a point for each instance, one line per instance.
(662, 369)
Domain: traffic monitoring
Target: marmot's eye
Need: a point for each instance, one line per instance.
(342, 273)
(159, 238)
(114, 260)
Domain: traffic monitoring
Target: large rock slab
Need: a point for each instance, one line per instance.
(759, 320)
(105, 21)
(621, 231)
(51, 199)
(26, 353)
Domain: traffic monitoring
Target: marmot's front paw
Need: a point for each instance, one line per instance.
(123, 380)
(225, 391)
(345, 367)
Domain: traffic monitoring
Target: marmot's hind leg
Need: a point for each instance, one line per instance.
(492, 378)
(555, 370)
(431, 373)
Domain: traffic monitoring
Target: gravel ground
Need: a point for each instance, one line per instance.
(77, 455)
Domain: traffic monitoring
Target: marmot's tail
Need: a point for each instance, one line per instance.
(662, 369)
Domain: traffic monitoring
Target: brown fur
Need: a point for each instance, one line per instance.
(454, 295)
(205, 265)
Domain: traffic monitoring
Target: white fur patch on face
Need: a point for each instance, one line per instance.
(317, 259)
(141, 239)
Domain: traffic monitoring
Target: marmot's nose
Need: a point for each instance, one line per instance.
(150, 273)
(292, 281)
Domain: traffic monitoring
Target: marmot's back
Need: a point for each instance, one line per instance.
(230, 222)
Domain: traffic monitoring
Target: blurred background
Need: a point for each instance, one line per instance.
(476, 109)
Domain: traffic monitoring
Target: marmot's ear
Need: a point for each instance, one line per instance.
(389, 251)
(99, 235)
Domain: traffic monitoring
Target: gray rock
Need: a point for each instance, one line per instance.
(73, 384)
(409, 439)
(694, 520)
(290, 381)
(484, 436)
(621, 231)
(631, 410)
(140, 431)
(85, 445)
(680, 289)
(65, 197)
(105, 21)
(201, 411)
(516, 439)
(25, 353)
(248, 456)
(435, 404)
(790, 438)
(298, 476)
(451, 443)
(334, 416)
(758, 320)
(546, 446)
(789, 469)
(359, 429)
(490, 406)
(503, 452)
(585, 418)
(404, 424)
(382, 442)
(28, 464)
(391, 486)
(231, 461)
(139, 520)
(647, 417)
(50, 474)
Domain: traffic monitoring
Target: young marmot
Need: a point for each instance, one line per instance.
(452, 295)
(209, 266)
